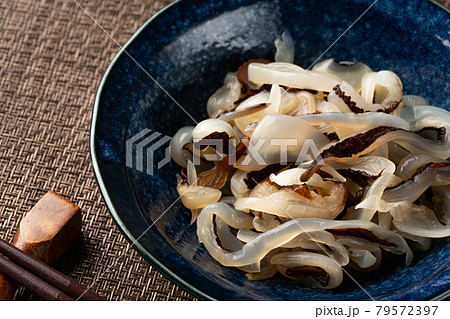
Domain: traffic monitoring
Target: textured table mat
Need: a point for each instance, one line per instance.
(52, 58)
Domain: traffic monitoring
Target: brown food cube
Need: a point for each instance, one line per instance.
(7, 288)
(45, 233)
(49, 228)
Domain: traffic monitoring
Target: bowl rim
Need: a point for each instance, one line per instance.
(105, 195)
(98, 176)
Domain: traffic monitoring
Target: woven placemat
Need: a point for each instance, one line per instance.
(52, 58)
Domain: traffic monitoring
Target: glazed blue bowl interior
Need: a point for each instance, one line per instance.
(188, 48)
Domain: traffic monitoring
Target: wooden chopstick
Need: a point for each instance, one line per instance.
(40, 278)
(30, 281)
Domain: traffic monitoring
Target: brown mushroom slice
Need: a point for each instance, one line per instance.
(429, 121)
(373, 174)
(216, 134)
(385, 87)
(409, 164)
(217, 176)
(219, 136)
(363, 170)
(363, 143)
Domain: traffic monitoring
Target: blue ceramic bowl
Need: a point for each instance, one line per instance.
(188, 48)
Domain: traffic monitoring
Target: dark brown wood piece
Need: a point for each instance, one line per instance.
(45, 232)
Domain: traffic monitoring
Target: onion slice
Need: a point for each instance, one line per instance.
(195, 197)
(352, 73)
(290, 75)
(409, 165)
(255, 250)
(310, 268)
(273, 133)
(356, 122)
(177, 143)
(224, 98)
(285, 48)
(418, 221)
(433, 174)
(348, 99)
